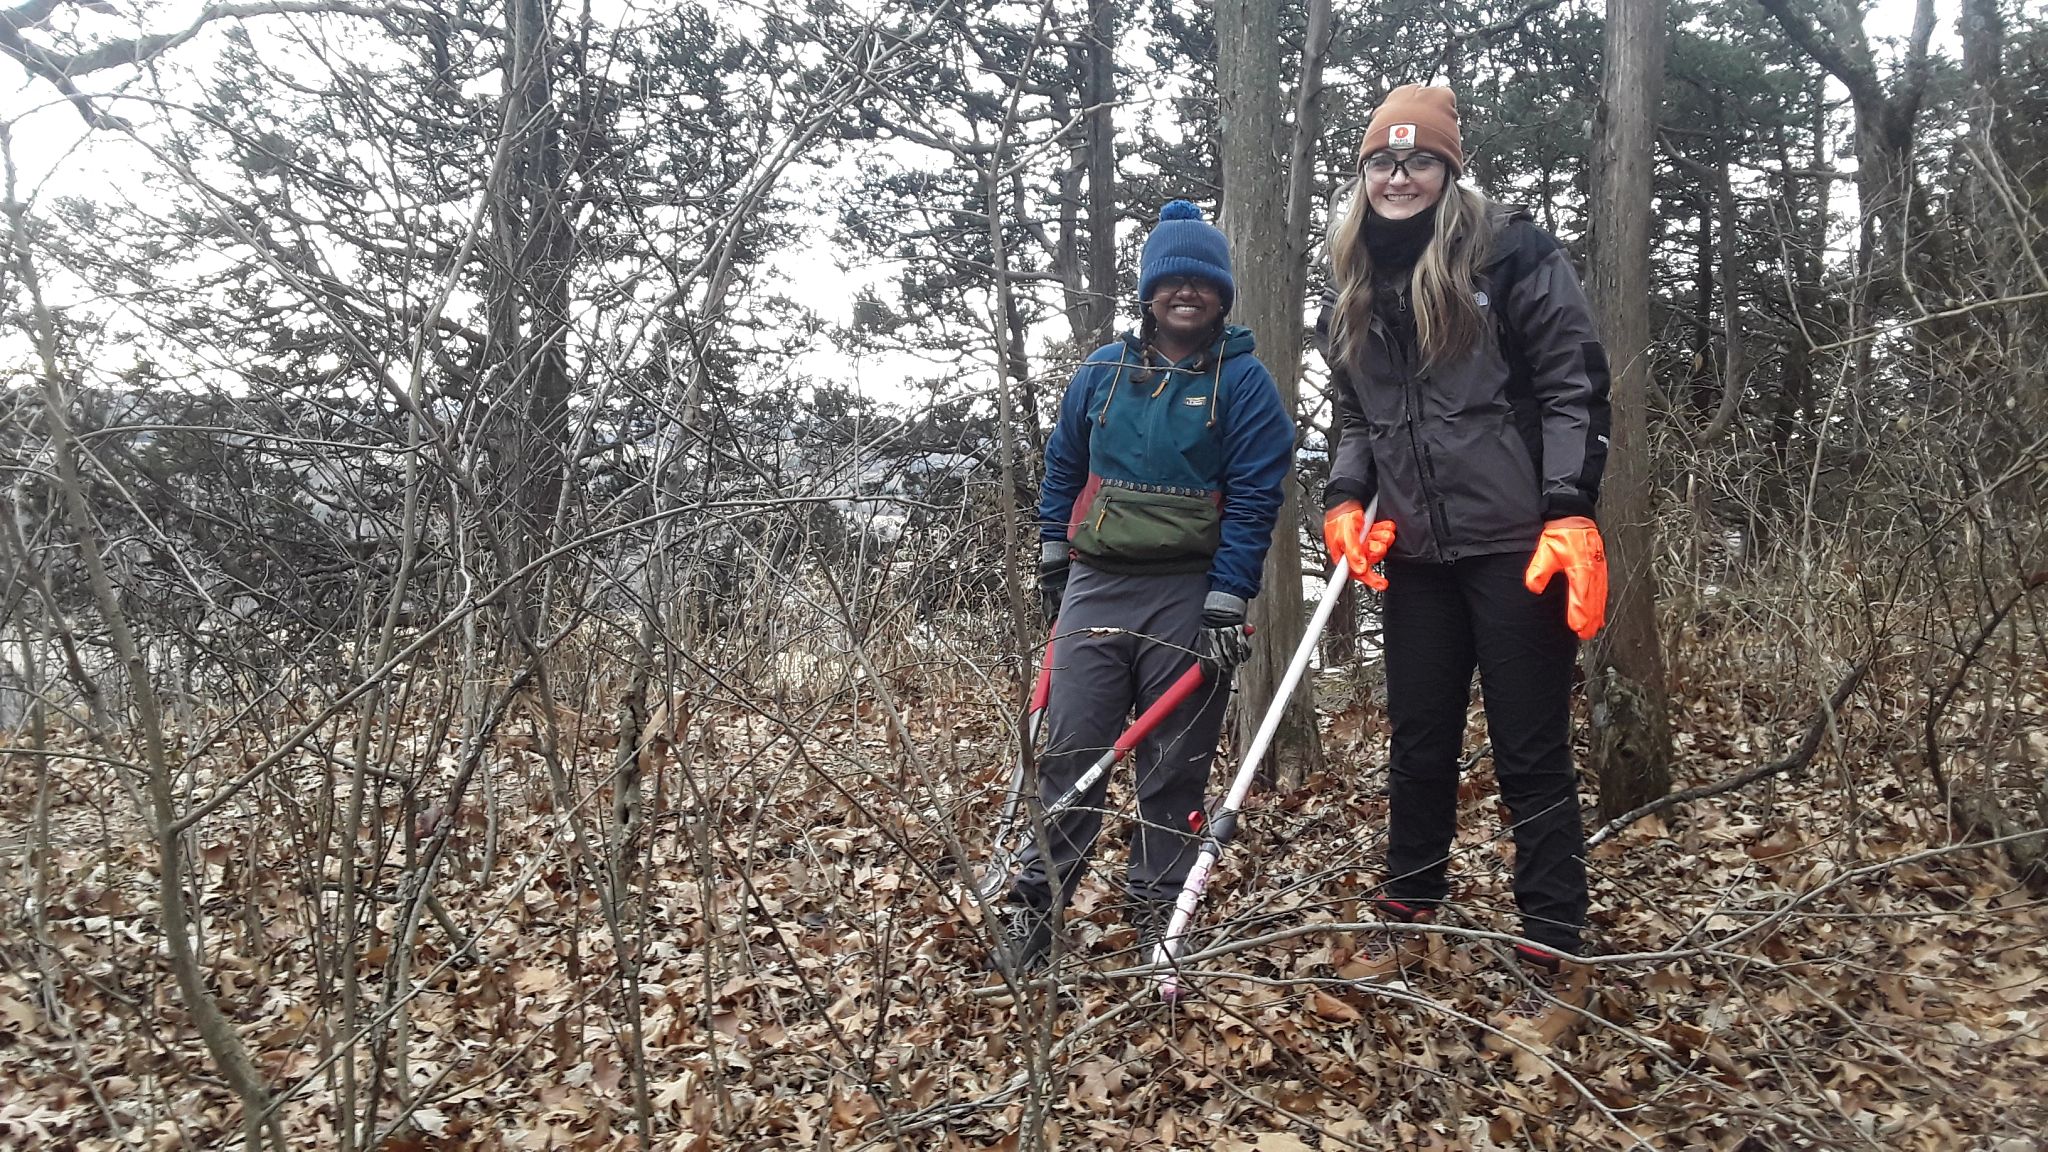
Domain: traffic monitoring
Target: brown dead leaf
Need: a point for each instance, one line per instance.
(18, 1013)
(1353, 970)
(851, 1109)
(1529, 1053)
(1330, 1008)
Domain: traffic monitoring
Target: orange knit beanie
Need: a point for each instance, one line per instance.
(1414, 116)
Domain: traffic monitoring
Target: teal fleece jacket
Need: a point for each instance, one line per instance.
(1212, 424)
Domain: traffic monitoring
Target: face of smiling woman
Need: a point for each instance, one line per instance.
(1186, 309)
(1399, 190)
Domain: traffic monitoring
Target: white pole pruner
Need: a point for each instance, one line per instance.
(1224, 825)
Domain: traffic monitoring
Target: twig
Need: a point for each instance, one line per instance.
(1799, 757)
(1939, 705)
(1914, 321)
(1718, 947)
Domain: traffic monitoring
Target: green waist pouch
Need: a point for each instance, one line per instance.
(1146, 530)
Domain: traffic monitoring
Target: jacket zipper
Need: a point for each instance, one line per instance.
(1426, 465)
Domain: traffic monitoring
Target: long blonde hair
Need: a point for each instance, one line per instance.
(1447, 320)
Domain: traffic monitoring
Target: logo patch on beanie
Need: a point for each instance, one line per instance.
(1401, 137)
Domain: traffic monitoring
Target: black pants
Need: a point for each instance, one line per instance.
(1442, 621)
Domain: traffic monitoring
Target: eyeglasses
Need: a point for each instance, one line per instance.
(1419, 166)
(1168, 286)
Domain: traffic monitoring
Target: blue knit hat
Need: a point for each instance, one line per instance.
(1184, 244)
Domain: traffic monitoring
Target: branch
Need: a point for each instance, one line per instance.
(1704, 173)
(1939, 706)
(61, 68)
(1860, 81)
(1514, 23)
(1455, 43)
(1818, 173)
(29, 15)
(1916, 66)
(1799, 758)
(873, 117)
(1914, 321)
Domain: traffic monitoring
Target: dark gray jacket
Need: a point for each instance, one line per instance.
(1471, 457)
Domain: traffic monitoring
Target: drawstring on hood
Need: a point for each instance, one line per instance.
(1215, 380)
(1211, 362)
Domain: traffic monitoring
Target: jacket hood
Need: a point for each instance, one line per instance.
(1498, 217)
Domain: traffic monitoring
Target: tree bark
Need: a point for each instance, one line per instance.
(1884, 130)
(529, 313)
(1100, 130)
(1631, 726)
(1982, 27)
(1268, 267)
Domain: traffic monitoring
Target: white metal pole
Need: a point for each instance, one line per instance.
(1225, 824)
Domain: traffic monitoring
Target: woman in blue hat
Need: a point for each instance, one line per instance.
(1162, 484)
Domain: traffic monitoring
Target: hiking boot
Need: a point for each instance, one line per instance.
(1024, 937)
(1385, 955)
(1550, 1011)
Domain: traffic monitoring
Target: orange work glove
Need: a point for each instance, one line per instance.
(1571, 545)
(1345, 534)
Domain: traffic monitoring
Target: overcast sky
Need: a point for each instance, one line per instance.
(57, 155)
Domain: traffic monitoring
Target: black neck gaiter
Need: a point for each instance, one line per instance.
(1395, 245)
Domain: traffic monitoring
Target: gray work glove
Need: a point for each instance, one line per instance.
(1054, 567)
(1223, 643)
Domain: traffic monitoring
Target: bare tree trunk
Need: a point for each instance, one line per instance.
(1032, 1130)
(1006, 454)
(1982, 27)
(1268, 264)
(1308, 128)
(529, 293)
(1884, 133)
(1732, 361)
(638, 724)
(1101, 143)
(1010, 366)
(1983, 34)
(1718, 268)
(1631, 725)
(33, 644)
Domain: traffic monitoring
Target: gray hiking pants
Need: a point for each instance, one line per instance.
(1100, 682)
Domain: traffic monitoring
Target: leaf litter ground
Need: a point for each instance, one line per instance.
(1817, 967)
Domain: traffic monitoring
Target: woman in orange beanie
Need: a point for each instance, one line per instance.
(1471, 395)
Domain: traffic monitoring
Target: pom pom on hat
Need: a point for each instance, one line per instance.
(1184, 244)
